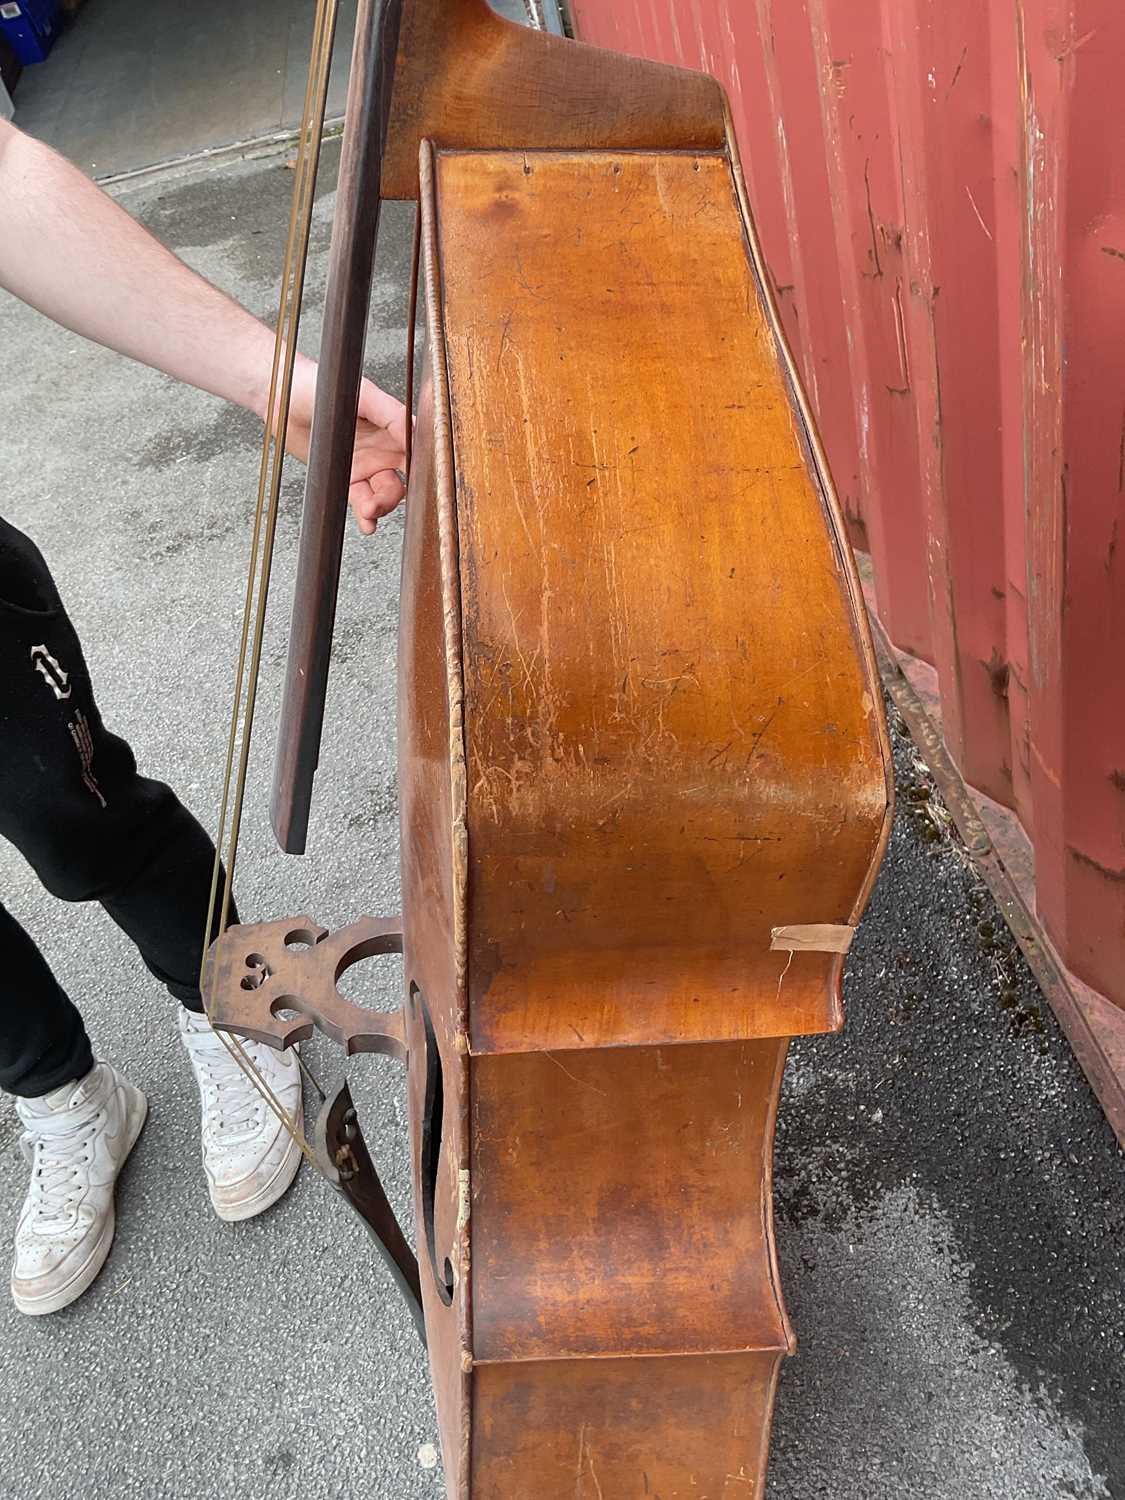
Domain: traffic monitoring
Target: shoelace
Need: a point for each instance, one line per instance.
(59, 1153)
(236, 1103)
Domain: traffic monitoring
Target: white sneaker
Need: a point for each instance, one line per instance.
(76, 1140)
(249, 1156)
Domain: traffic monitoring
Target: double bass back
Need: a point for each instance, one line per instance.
(638, 739)
(643, 769)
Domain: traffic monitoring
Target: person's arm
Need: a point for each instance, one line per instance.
(69, 250)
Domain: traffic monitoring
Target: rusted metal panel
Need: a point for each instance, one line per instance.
(1074, 330)
(941, 85)
(940, 189)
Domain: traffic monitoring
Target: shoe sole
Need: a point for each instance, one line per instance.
(266, 1196)
(87, 1273)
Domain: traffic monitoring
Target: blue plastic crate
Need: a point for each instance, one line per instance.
(46, 15)
(30, 27)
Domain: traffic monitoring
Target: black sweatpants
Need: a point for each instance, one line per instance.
(93, 829)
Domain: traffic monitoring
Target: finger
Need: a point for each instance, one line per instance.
(386, 490)
(371, 499)
(363, 508)
(384, 478)
(372, 458)
(370, 439)
(382, 410)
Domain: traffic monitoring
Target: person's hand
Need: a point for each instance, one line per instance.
(380, 444)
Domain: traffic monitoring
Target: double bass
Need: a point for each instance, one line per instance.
(644, 773)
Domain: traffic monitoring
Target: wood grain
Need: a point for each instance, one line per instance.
(466, 77)
(608, 577)
(687, 1428)
(621, 1202)
(671, 731)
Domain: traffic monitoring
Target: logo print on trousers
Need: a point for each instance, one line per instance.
(84, 743)
(56, 678)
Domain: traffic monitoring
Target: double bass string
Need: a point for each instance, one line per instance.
(248, 666)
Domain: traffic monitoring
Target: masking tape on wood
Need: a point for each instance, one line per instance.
(813, 937)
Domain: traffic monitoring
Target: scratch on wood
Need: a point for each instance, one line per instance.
(673, 683)
(581, 1082)
(527, 673)
(504, 338)
(521, 278)
(594, 1477)
(585, 1461)
(758, 736)
(781, 976)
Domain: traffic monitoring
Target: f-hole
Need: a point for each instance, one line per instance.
(433, 1113)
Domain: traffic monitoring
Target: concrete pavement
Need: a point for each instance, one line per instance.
(949, 1198)
(132, 82)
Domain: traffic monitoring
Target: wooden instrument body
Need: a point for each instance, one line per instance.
(639, 733)
(644, 774)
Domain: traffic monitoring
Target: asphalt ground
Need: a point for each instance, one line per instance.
(949, 1197)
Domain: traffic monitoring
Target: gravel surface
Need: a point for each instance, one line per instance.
(949, 1197)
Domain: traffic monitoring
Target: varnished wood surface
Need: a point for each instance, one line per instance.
(604, 1196)
(466, 77)
(689, 1428)
(672, 740)
(621, 1202)
(433, 899)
